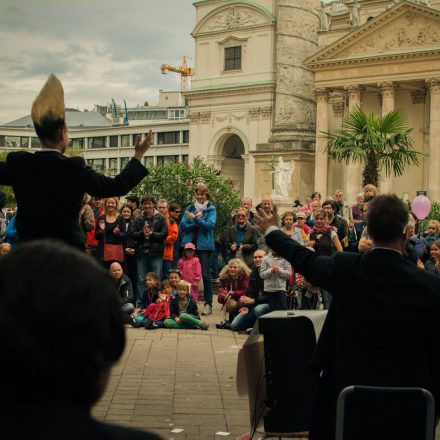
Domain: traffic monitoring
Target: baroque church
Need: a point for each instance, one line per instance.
(273, 75)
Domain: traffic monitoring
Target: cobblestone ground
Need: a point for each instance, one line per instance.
(179, 379)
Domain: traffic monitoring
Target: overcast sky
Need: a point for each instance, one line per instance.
(100, 49)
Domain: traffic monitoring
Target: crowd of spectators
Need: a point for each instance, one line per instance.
(150, 248)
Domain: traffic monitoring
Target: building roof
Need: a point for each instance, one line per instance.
(74, 119)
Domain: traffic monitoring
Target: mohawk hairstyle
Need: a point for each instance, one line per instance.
(48, 110)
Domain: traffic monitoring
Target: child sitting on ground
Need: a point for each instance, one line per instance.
(153, 316)
(150, 294)
(183, 310)
(275, 271)
(174, 277)
(190, 268)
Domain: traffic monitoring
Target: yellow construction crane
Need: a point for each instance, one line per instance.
(184, 71)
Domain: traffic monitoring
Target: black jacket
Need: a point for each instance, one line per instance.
(249, 241)
(125, 290)
(341, 225)
(149, 296)
(191, 307)
(60, 182)
(155, 244)
(383, 326)
(256, 287)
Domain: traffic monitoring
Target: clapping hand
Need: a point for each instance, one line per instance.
(101, 225)
(116, 231)
(263, 220)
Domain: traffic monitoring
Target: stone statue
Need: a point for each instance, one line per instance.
(282, 177)
(355, 16)
(324, 16)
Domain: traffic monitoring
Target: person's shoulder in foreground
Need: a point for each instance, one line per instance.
(57, 359)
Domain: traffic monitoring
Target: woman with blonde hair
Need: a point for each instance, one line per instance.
(110, 233)
(233, 283)
(370, 192)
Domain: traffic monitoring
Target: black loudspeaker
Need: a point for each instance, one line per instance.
(291, 384)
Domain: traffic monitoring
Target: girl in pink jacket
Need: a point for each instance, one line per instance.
(190, 268)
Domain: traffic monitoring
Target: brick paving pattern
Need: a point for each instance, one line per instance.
(184, 379)
(179, 379)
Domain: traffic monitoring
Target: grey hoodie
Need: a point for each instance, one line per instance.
(275, 281)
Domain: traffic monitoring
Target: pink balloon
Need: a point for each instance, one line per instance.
(421, 206)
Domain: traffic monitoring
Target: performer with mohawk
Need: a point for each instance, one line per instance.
(59, 180)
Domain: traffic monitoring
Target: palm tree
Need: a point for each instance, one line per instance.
(378, 142)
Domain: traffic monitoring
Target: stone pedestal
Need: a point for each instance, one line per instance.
(284, 204)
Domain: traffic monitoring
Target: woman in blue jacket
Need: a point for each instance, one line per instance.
(197, 226)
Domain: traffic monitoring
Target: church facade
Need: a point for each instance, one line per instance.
(273, 75)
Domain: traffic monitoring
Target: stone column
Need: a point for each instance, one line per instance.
(434, 140)
(387, 90)
(353, 170)
(249, 177)
(296, 40)
(321, 162)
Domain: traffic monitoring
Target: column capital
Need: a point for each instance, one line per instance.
(387, 88)
(433, 84)
(322, 95)
(353, 91)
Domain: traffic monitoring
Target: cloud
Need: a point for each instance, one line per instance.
(100, 49)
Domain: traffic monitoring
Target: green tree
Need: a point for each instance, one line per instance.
(377, 142)
(177, 182)
(11, 202)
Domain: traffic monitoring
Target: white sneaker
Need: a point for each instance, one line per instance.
(207, 310)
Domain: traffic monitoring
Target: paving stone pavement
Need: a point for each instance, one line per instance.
(179, 379)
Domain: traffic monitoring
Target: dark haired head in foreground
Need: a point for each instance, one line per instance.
(61, 330)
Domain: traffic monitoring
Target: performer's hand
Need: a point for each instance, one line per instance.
(141, 148)
(263, 221)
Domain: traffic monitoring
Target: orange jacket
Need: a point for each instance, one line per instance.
(173, 231)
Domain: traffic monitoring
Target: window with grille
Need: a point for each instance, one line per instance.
(97, 142)
(113, 166)
(168, 137)
(233, 58)
(124, 161)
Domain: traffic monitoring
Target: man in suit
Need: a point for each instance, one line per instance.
(61, 181)
(57, 359)
(383, 327)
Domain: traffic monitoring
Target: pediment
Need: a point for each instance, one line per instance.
(405, 28)
(235, 16)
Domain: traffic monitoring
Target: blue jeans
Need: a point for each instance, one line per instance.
(326, 298)
(166, 266)
(277, 300)
(145, 264)
(243, 322)
(205, 262)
